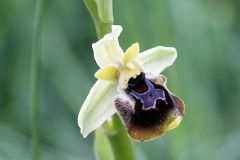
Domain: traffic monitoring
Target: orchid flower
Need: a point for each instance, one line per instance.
(130, 84)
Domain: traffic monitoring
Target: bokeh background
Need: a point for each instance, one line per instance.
(206, 75)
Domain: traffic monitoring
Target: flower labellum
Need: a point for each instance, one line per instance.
(130, 84)
(149, 110)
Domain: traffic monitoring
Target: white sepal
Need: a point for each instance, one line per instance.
(155, 60)
(97, 107)
(107, 51)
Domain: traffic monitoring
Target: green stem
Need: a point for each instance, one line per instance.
(120, 144)
(102, 28)
(35, 81)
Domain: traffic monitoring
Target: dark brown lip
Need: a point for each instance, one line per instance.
(146, 123)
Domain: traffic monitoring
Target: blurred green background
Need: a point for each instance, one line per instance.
(206, 75)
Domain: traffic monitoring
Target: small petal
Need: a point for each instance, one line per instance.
(97, 107)
(108, 74)
(107, 51)
(130, 53)
(155, 60)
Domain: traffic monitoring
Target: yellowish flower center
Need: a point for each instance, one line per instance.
(129, 67)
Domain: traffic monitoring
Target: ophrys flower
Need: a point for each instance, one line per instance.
(130, 83)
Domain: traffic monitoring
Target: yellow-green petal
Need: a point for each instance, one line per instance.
(130, 53)
(107, 74)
